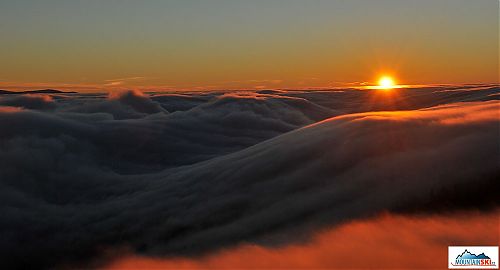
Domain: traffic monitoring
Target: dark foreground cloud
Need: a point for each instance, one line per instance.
(257, 168)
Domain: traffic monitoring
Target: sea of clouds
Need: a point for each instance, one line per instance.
(177, 174)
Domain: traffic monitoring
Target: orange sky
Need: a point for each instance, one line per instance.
(221, 44)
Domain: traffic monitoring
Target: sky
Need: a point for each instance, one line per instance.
(93, 45)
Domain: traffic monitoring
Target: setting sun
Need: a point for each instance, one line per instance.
(386, 82)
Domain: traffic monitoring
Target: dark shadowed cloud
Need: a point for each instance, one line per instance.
(29, 101)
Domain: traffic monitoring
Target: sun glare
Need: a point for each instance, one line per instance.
(386, 83)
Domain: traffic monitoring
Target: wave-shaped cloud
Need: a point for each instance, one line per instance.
(121, 105)
(236, 168)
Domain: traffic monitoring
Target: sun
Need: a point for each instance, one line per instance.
(386, 82)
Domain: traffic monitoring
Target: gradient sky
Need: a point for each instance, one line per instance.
(220, 44)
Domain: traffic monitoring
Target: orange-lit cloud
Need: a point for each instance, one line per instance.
(443, 114)
(389, 241)
(9, 109)
(122, 81)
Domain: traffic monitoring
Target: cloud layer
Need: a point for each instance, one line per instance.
(192, 173)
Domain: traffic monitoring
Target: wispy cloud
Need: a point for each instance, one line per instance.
(124, 81)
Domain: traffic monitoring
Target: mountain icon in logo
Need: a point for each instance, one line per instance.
(467, 255)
